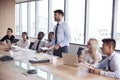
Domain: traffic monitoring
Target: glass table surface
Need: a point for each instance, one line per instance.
(40, 75)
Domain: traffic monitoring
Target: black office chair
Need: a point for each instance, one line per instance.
(15, 40)
(31, 44)
(79, 51)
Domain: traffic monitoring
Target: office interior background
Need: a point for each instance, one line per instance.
(87, 18)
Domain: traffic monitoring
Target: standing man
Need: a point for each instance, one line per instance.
(112, 62)
(62, 34)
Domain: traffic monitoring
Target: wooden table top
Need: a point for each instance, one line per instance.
(65, 72)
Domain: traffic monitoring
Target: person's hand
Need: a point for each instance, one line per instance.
(57, 46)
(91, 70)
(2, 43)
(95, 71)
(49, 46)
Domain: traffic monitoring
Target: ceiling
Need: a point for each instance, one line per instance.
(21, 1)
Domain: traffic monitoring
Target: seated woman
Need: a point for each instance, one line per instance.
(9, 36)
(24, 42)
(49, 42)
(39, 42)
(91, 55)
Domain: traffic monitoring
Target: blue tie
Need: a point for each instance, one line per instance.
(109, 65)
(56, 33)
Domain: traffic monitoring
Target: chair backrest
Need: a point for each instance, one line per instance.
(31, 44)
(79, 51)
(16, 40)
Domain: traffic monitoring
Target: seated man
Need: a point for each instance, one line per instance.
(112, 62)
(39, 42)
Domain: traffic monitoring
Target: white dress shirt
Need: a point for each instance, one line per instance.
(88, 56)
(41, 44)
(23, 44)
(114, 66)
(50, 45)
(63, 34)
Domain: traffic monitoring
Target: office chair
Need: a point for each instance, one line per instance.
(79, 51)
(31, 44)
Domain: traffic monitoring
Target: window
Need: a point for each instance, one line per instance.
(24, 17)
(100, 17)
(17, 18)
(31, 27)
(76, 20)
(36, 16)
(42, 17)
(56, 4)
(117, 35)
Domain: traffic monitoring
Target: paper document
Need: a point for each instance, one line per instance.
(40, 57)
(46, 48)
(43, 56)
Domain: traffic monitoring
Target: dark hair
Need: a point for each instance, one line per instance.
(25, 34)
(50, 33)
(41, 33)
(59, 11)
(10, 30)
(110, 41)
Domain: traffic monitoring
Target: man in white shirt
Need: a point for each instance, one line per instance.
(39, 42)
(62, 34)
(112, 62)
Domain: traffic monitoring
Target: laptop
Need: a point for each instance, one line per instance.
(70, 59)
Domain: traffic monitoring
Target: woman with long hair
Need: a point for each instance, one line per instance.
(24, 42)
(91, 54)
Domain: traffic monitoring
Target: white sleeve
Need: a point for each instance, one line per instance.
(115, 67)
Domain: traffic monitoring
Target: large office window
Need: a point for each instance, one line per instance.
(117, 35)
(92, 16)
(24, 17)
(17, 19)
(100, 17)
(31, 19)
(76, 20)
(42, 18)
(56, 4)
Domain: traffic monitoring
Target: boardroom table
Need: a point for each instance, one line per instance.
(17, 69)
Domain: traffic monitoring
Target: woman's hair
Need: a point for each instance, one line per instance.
(10, 30)
(25, 34)
(49, 35)
(94, 47)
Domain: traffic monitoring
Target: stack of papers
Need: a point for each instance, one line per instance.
(40, 57)
(46, 48)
